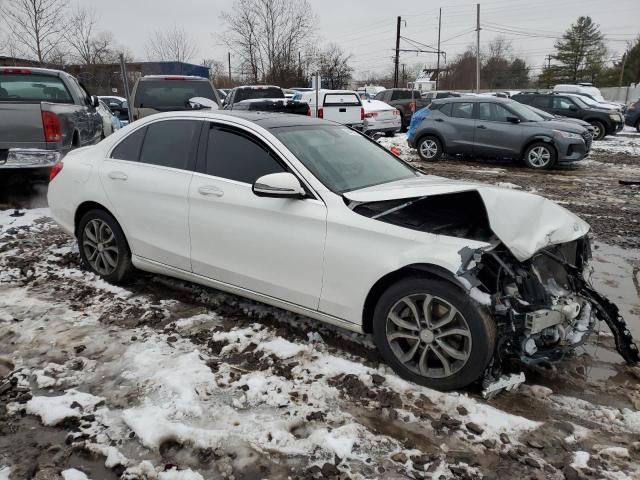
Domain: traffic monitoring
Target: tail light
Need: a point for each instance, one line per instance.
(24, 71)
(362, 113)
(413, 107)
(320, 113)
(371, 115)
(51, 127)
(55, 170)
(395, 150)
(396, 111)
(308, 111)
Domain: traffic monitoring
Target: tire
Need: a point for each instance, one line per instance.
(403, 124)
(389, 134)
(601, 130)
(103, 247)
(429, 148)
(540, 156)
(638, 126)
(392, 337)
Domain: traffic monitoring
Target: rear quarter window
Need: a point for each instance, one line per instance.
(341, 100)
(33, 87)
(129, 148)
(252, 93)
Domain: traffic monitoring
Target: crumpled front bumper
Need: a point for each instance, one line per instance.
(18, 158)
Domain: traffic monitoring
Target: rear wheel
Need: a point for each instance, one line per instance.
(103, 246)
(599, 130)
(540, 156)
(429, 148)
(638, 125)
(431, 333)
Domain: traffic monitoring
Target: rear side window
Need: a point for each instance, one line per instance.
(462, 110)
(129, 148)
(251, 93)
(341, 100)
(167, 95)
(541, 102)
(236, 156)
(170, 143)
(446, 109)
(33, 87)
(379, 96)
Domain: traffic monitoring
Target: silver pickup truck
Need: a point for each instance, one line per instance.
(43, 114)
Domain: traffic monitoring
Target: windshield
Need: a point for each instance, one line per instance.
(579, 101)
(171, 94)
(343, 160)
(33, 87)
(525, 112)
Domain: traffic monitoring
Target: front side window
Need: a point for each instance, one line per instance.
(236, 156)
(170, 143)
(33, 87)
(343, 160)
(129, 148)
(462, 110)
(561, 103)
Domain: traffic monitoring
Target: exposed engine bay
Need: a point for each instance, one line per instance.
(544, 306)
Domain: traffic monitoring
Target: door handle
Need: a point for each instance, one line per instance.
(210, 190)
(116, 175)
(482, 127)
(438, 120)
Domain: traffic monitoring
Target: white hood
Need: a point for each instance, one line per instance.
(524, 222)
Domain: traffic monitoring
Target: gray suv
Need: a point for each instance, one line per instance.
(497, 128)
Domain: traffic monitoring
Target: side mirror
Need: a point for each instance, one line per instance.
(95, 101)
(513, 119)
(278, 185)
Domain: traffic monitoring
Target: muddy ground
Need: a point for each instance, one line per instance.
(321, 405)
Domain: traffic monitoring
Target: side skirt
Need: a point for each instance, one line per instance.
(156, 267)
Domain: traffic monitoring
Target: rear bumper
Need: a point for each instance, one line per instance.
(382, 126)
(29, 158)
(616, 127)
(631, 119)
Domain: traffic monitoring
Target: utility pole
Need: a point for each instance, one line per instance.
(397, 62)
(438, 64)
(548, 57)
(478, 51)
(404, 77)
(125, 84)
(229, 58)
(624, 60)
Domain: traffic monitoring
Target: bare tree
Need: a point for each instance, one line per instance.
(37, 26)
(334, 68)
(268, 35)
(88, 45)
(171, 45)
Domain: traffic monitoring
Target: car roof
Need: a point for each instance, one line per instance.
(474, 99)
(258, 87)
(171, 76)
(266, 120)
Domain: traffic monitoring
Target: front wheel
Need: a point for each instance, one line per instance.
(599, 130)
(540, 155)
(431, 333)
(429, 148)
(103, 246)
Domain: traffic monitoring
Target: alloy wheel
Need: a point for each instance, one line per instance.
(597, 131)
(100, 246)
(428, 335)
(429, 148)
(539, 156)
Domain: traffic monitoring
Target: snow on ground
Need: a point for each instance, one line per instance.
(164, 380)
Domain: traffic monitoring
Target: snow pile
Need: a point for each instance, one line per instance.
(21, 218)
(53, 410)
(73, 474)
(5, 472)
(282, 348)
(175, 474)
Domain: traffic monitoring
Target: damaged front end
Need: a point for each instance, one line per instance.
(544, 307)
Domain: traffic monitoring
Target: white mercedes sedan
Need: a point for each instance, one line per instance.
(452, 279)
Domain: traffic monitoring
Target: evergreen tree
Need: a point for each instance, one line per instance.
(581, 52)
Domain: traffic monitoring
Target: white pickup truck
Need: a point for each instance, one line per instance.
(342, 106)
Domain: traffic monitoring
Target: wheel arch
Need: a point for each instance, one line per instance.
(427, 270)
(86, 206)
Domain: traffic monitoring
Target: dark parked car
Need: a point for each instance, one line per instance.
(437, 94)
(405, 100)
(118, 106)
(266, 98)
(43, 114)
(604, 121)
(498, 128)
(632, 117)
(166, 93)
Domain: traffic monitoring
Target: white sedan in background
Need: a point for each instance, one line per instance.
(380, 117)
(110, 122)
(451, 278)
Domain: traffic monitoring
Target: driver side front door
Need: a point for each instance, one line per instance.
(271, 246)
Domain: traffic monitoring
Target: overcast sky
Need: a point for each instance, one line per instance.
(366, 28)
